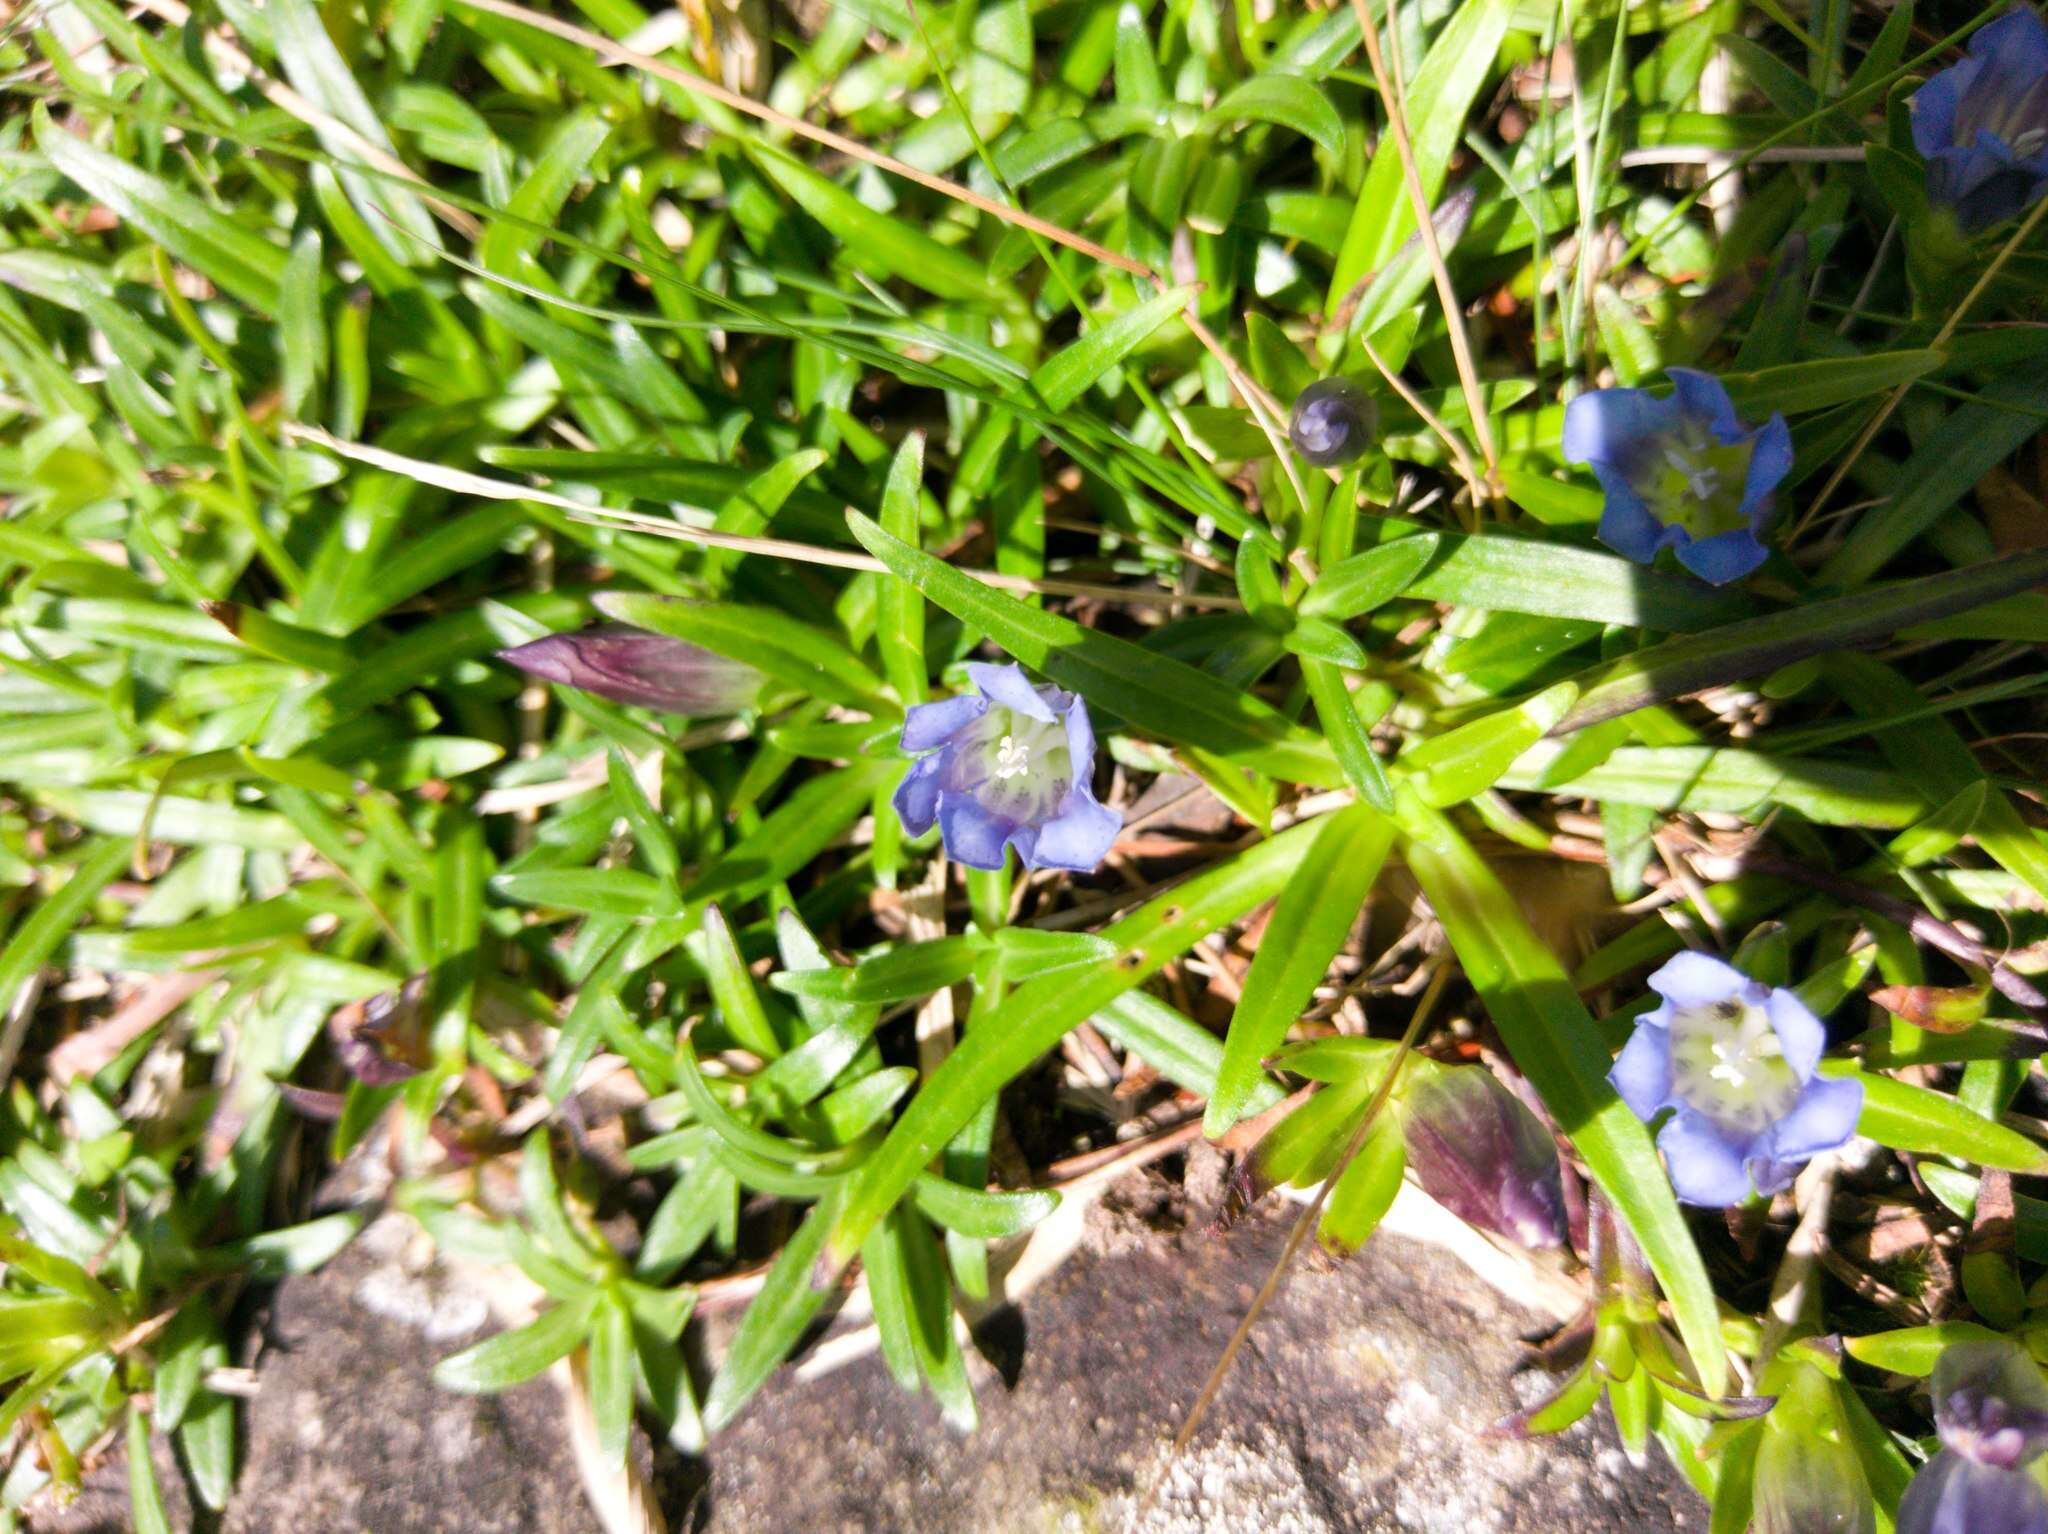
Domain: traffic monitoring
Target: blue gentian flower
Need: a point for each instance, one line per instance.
(1680, 473)
(1991, 1412)
(1982, 125)
(1735, 1058)
(1009, 767)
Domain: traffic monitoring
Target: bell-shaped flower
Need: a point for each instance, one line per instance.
(1982, 125)
(630, 665)
(1483, 1156)
(1332, 422)
(1991, 1412)
(1681, 473)
(1009, 765)
(1735, 1060)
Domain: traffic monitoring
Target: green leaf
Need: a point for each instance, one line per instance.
(1450, 768)
(231, 257)
(1287, 100)
(605, 891)
(1931, 1123)
(1802, 387)
(1365, 1191)
(879, 244)
(987, 1215)
(1944, 467)
(514, 1357)
(1440, 95)
(1914, 1350)
(1181, 1050)
(1068, 374)
(611, 1377)
(1155, 693)
(899, 622)
(1353, 587)
(36, 940)
(1680, 667)
(1554, 1041)
(1308, 927)
(732, 989)
(1347, 733)
(778, 1316)
(1035, 1015)
(145, 1501)
(902, 974)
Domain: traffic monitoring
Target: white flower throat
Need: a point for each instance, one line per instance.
(1020, 766)
(1727, 1062)
(1013, 758)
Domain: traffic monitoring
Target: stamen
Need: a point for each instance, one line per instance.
(1702, 479)
(1013, 758)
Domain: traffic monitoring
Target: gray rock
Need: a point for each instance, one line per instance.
(1355, 1409)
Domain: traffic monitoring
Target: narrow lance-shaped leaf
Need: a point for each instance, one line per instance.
(1555, 1043)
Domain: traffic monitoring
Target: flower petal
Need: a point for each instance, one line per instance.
(973, 836)
(1642, 1071)
(1009, 686)
(1703, 397)
(1800, 1034)
(1693, 979)
(1077, 839)
(917, 796)
(1823, 1118)
(1935, 104)
(1614, 426)
(1627, 525)
(1951, 1495)
(1706, 1167)
(1724, 557)
(928, 726)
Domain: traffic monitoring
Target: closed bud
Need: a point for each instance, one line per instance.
(630, 665)
(1333, 422)
(1482, 1155)
(1808, 1478)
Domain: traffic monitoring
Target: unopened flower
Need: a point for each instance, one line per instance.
(1681, 473)
(1332, 422)
(629, 665)
(1982, 125)
(1009, 766)
(1807, 1477)
(1735, 1059)
(1991, 1412)
(1483, 1156)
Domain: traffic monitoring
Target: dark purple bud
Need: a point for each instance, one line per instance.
(1990, 1403)
(630, 665)
(380, 1041)
(1333, 422)
(1483, 1156)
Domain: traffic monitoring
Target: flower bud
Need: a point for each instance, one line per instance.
(630, 665)
(1483, 1156)
(1333, 422)
(1808, 1478)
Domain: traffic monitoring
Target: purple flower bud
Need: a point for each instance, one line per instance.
(630, 665)
(1482, 1155)
(1680, 473)
(1982, 125)
(378, 1041)
(1332, 422)
(1009, 767)
(1990, 1403)
(1737, 1060)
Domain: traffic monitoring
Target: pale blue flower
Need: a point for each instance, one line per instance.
(1010, 766)
(1991, 1412)
(1681, 473)
(1982, 125)
(1735, 1060)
